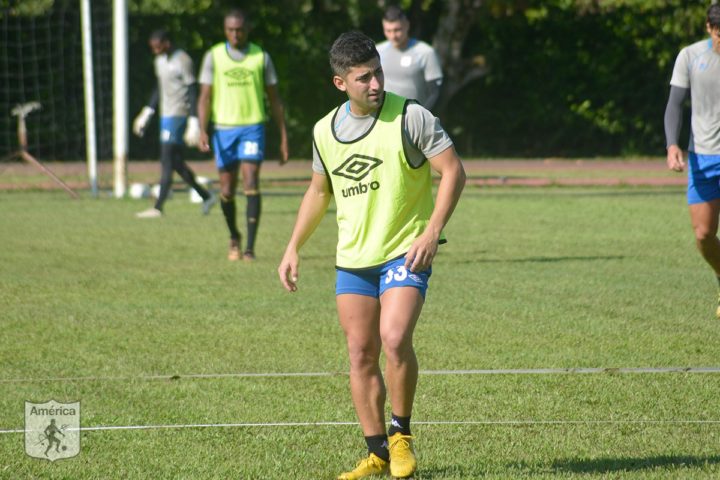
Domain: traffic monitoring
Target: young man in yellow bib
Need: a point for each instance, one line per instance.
(374, 154)
(235, 77)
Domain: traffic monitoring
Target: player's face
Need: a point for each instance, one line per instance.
(397, 33)
(159, 47)
(236, 31)
(364, 85)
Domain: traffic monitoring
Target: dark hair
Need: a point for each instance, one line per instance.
(394, 14)
(351, 49)
(160, 34)
(713, 16)
(236, 13)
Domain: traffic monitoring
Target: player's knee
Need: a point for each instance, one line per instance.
(363, 356)
(397, 345)
(705, 234)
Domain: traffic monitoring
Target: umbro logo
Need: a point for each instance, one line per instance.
(357, 167)
(238, 73)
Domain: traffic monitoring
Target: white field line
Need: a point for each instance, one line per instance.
(518, 371)
(430, 422)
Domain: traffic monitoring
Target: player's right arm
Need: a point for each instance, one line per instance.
(204, 101)
(673, 125)
(141, 121)
(203, 110)
(312, 209)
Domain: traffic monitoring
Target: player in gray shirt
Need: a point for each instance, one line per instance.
(411, 67)
(176, 94)
(697, 72)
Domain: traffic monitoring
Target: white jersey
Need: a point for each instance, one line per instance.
(408, 71)
(697, 68)
(423, 135)
(174, 72)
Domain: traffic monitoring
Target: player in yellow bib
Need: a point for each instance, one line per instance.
(373, 154)
(235, 77)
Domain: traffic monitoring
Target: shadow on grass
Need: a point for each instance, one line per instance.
(454, 471)
(579, 258)
(615, 465)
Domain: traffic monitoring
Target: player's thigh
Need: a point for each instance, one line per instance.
(359, 319)
(400, 309)
(704, 218)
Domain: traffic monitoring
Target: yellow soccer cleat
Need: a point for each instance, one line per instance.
(402, 457)
(371, 465)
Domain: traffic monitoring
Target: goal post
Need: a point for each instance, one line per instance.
(121, 121)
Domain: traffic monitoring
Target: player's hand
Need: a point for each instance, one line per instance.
(192, 132)
(422, 252)
(203, 142)
(675, 160)
(142, 120)
(288, 271)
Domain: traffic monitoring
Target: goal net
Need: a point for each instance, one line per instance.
(41, 61)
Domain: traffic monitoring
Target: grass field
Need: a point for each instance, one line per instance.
(119, 313)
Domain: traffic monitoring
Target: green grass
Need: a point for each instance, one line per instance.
(530, 278)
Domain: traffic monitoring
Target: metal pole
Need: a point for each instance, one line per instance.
(120, 97)
(90, 138)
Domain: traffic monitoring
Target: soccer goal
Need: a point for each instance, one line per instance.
(42, 78)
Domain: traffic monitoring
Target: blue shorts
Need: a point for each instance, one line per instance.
(703, 178)
(232, 145)
(373, 282)
(172, 129)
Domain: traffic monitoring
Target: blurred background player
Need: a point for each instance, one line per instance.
(411, 67)
(697, 72)
(375, 153)
(235, 76)
(176, 92)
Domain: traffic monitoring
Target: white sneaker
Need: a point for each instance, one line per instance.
(149, 213)
(209, 203)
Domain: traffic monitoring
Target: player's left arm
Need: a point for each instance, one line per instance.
(433, 79)
(452, 181)
(278, 114)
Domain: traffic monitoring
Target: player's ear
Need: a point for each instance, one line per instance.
(339, 83)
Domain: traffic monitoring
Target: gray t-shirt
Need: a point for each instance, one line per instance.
(174, 72)
(423, 137)
(206, 68)
(408, 71)
(697, 67)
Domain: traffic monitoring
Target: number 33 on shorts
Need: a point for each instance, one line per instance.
(396, 275)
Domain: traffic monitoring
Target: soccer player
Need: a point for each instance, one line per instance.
(234, 78)
(176, 92)
(411, 66)
(373, 154)
(697, 72)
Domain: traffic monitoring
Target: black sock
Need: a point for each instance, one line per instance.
(378, 444)
(253, 219)
(228, 208)
(399, 424)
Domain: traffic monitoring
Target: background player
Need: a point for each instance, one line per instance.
(235, 77)
(411, 67)
(697, 71)
(176, 92)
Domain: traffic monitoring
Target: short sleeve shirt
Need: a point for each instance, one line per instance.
(697, 68)
(206, 68)
(424, 136)
(408, 71)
